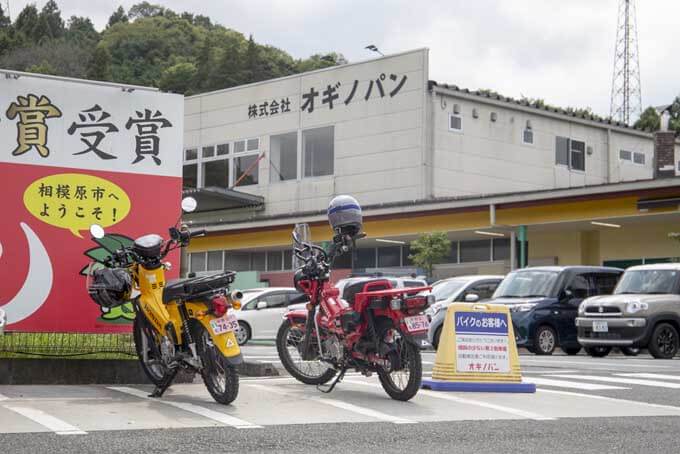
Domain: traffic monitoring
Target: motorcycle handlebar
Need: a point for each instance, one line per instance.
(195, 233)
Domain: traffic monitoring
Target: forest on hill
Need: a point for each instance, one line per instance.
(146, 45)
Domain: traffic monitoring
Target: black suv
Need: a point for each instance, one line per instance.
(544, 303)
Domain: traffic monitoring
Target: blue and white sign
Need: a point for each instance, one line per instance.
(482, 342)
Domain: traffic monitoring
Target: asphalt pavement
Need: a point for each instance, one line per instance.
(582, 404)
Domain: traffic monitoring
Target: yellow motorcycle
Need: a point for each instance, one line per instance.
(184, 323)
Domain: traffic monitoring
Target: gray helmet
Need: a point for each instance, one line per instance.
(344, 215)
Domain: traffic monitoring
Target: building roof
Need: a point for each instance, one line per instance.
(214, 198)
(486, 95)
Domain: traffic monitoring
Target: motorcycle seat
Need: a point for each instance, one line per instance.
(196, 287)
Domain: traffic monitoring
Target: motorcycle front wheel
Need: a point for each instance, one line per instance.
(219, 376)
(147, 340)
(402, 380)
(288, 342)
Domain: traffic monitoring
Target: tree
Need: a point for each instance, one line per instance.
(145, 9)
(5, 23)
(649, 120)
(251, 69)
(50, 23)
(42, 68)
(82, 31)
(100, 65)
(429, 249)
(27, 21)
(178, 78)
(118, 16)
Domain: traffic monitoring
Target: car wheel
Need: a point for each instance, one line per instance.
(545, 340)
(243, 333)
(630, 351)
(437, 336)
(571, 351)
(664, 341)
(598, 352)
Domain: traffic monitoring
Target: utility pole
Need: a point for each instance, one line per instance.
(626, 94)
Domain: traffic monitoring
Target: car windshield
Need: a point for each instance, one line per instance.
(444, 289)
(647, 281)
(249, 295)
(524, 284)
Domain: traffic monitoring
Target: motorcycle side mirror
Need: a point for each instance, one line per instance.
(189, 204)
(97, 231)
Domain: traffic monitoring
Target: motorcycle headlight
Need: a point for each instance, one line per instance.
(524, 307)
(636, 306)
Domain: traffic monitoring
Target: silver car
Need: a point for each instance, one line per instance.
(456, 290)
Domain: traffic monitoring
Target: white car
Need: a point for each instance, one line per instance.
(262, 310)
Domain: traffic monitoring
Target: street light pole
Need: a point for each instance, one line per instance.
(373, 48)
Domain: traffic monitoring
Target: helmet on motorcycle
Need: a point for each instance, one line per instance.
(110, 287)
(344, 215)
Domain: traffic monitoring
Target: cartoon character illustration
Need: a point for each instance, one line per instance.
(125, 313)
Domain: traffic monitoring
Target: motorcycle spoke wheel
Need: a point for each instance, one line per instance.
(288, 343)
(219, 377)
(145, 337)
(402, 380)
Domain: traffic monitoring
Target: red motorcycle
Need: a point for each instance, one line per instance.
(371, 331)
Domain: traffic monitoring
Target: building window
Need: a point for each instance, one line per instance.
(197, 262)
(625, 155)
(570, 153)
(287, 259)
(190, 154)
(318, 151)
(501, 248)
(223, 149)
(577, 156)
(455, 122)
(246, 169)
(475, 251)
(237, 261)
(208, 152)
(528, 136)
(389, 256)
(274, 261)
(215, 261)
(216, 173)
(639, 158)
(365, 258)
(190, 175)
(259, 261)
(283, 157)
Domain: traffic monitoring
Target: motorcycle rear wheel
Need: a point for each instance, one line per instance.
(404, 382)
(219, 376)
(288, 339)
(154, 368)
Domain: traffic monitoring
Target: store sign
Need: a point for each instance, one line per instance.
(73, 154)
(482, 344)
(333, 95)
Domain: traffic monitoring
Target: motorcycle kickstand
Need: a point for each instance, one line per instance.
(337, 380)
(159, 390)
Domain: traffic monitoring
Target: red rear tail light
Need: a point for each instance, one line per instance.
(415, 302)
(219, 306)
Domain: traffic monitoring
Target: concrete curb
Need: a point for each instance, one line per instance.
(58, 371)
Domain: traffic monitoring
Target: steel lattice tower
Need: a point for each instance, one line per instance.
(626, 96)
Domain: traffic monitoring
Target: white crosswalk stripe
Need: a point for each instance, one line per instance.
(541, 381)
(56, 425)
(628, 381)
(223, 418)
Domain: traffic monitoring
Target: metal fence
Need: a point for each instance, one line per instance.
(34, 345)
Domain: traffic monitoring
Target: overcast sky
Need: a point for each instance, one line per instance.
(558, 50)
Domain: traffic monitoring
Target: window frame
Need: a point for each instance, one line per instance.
(298, 156)
(455, 115)
(639, 153)
(630, 153)
(302, 151)
(230, 156)
(524, 131)
(569, 165)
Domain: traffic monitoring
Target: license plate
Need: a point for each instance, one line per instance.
(224, 324)
(417, 323)
(600, 327)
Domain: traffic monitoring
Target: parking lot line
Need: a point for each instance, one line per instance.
(3, 397)
(338, 404)
(569, 384)
(610, 399)
(652, 376)
(628, 381)
(56, 425)
(612, 364)
(191, 408)
(466, 401)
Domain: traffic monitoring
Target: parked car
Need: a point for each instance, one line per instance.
(262, 310)
(643, 312)
(544, 302)
(456, 289)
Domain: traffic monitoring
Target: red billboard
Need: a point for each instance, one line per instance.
(73, 154)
